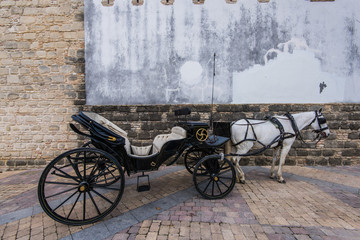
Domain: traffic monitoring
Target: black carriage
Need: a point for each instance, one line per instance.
(83, 185)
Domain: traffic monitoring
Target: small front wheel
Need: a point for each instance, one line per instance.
(81, 186)
(214, 177)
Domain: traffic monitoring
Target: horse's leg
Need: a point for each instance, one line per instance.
(284, 151)
(240, 150)
(240, 176)
(275, 157)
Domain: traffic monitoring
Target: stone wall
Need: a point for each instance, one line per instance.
(42, 84)
(41, 77)
(143, 123)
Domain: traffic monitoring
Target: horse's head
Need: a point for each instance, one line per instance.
(319, 125)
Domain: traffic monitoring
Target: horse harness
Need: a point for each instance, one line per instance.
(282, 134)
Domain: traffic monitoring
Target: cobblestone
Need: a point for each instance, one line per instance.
(303, 208)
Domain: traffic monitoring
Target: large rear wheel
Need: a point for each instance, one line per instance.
(214, 177)
(195, 154)
(81, 186)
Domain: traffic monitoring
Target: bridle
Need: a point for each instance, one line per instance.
(320, 132)
(320, 120)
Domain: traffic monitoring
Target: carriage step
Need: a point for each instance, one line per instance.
(145, 186)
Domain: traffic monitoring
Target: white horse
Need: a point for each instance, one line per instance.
(277, 132)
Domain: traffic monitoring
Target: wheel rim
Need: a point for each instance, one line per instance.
(216, 178)
(81, 186)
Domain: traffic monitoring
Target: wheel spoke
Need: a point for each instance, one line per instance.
(64, 201)
(85, 159)
(218, 187)
(93, 201)
(221, 173)
(72, 208)
(59, 193)
(223, 183)
(94, 168)
(103, 197)
(105, 187)
(62, 183)
(66, 174)
(207, 185)
(74, 167)
(84, 206)
(230, 178)
(212, 189)
(105, 180)
(101, 172)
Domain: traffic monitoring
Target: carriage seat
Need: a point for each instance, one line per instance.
(177, 133)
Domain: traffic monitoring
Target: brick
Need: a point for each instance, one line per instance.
(27, 19)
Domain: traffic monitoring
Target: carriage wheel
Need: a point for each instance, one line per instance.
(194, 155)
(214, 177)
(81, 186)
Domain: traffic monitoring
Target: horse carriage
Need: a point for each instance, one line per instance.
(83, 185)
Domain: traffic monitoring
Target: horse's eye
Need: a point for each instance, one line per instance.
(321, 120)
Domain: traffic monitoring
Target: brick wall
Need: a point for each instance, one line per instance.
(143, 123)
(41, 78)
(42, 84)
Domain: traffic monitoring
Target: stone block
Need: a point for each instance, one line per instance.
(30, 11)
(350, 144)
(13, 96)
(328, 153)
(350, 152)
(354, 126)
(321, 161)
(354, 135)
(310, 162)
(10, 163)
(10, 45)
(29, 36)
(354, 116)
(27, 20)
(280, 108)
(335, 161)
(20, 163)
(11, 79)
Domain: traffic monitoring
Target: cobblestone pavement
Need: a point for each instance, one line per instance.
(315, 203)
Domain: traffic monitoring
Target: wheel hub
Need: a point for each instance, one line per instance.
(214, 177)
(84, 187)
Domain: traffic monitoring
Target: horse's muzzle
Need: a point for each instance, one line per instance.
(324, 134)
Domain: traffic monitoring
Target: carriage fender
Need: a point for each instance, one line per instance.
(216, 141)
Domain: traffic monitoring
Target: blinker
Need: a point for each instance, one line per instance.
(321, 120)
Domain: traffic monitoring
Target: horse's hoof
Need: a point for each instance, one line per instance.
(282, 181)
(271, 177)
(242, 181)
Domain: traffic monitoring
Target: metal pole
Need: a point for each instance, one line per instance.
(212, 95)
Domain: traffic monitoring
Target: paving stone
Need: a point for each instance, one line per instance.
(320, 207)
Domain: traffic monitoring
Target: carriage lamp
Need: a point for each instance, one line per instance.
(198, 2)
(231, 1)
(137, 2)
(167, 2)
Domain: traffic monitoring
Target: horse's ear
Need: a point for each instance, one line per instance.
(320, 110)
